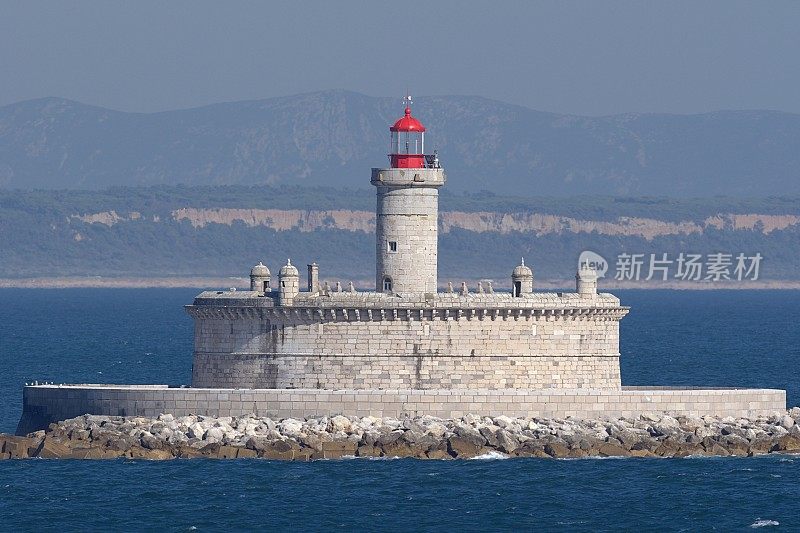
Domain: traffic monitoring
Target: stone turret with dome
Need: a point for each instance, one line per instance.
(260, 278)
(521, 279)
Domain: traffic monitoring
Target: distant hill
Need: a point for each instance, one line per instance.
(333, 138)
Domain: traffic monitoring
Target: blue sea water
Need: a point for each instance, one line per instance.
(734, 338)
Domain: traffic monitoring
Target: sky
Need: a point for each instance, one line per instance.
(585, 58)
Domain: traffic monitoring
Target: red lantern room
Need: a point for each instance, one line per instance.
(407, 148)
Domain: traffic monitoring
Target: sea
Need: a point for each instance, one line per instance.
(706, 337)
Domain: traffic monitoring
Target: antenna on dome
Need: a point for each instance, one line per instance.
(408, 100)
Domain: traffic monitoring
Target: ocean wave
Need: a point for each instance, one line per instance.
(764, 523)
(488, 456)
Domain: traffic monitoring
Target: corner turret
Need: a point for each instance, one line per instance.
(586, 281)
(289, 283)
(260, 277)
(521, 280)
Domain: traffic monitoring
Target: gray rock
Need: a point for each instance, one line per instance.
(340, 423)
(148, 441)
(503, 421)
(508, 442)
(214, 435)
(196, 431)
(490, 434)
(471, 435)
(389, 438)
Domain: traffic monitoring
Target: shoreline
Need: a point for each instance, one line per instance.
(423, 437)
(240, 283)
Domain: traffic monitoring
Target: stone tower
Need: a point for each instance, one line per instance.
(407, 212)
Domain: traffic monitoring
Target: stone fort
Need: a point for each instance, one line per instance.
(408, 347)
(406, 334)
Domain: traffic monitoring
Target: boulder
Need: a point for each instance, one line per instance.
(438, 454)
(340, 423)
(137, 452)
(786, 443)
(503, 421)
(490, 434)
(96, 453)
(687, 449)
(735, 445)
(464, 447)
(704, 431)
(50, 449)
(669, 447)
(557, 450)
(227, 452)
(214, 434)
(314, 441)
(388, 438)
(471, 435)
(285, 450)
(196, 431)
(187, 452)
(244, 453)
(150, 442)
(759, 446)
(642, 453)
(507, 441)
(338, 449)
(121, 444)
(290, 427)
(19, 447)
(436, 429)
(401, 448)
(609, 449)
(368, 451)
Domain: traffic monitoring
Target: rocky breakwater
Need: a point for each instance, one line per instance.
(167, 437)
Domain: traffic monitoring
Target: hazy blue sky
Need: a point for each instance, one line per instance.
(572, 57)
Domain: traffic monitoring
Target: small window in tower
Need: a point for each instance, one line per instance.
(392, 246)
(387, 284)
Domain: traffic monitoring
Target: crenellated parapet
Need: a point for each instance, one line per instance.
(376, 313)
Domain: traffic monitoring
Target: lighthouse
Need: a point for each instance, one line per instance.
(407, 212)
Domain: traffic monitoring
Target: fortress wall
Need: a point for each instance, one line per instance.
(366, 371)
(527, 352)
(43, 405)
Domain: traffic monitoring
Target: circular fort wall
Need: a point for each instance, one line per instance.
(514, 353)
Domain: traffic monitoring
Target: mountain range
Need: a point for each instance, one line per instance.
(333, 138)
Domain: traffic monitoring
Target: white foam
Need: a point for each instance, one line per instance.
(488, 456)
(764, 523)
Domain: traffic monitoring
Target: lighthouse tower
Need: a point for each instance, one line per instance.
(407, 212)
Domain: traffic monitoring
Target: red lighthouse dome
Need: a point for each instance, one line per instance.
(408, 123)
(407, 149)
